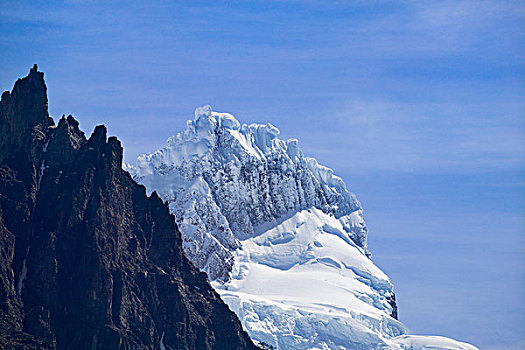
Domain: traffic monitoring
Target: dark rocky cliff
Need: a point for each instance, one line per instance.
(87, 260)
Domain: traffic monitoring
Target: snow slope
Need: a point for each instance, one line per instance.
(304, 284)
(280, 236)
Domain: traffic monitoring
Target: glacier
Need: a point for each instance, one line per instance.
(280, 236)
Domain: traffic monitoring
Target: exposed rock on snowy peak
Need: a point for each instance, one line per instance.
(280, 236)
(88, 261)
(223, 181)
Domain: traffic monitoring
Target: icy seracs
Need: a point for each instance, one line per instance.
(279, 235)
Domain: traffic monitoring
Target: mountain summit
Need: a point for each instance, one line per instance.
(280, 236)
(240, 178)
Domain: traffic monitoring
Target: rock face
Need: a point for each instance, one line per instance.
(87, 260)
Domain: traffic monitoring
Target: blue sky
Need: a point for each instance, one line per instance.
(419, 106)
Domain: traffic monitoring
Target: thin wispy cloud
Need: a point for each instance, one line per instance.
(426, 137)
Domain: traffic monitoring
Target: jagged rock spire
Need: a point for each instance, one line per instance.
(88, 260)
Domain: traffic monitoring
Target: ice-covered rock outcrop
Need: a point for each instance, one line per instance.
(280, 236)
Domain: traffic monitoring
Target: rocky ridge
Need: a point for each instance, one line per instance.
(88, 260)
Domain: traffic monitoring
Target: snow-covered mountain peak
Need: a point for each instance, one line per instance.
(273, 176)
(280, 236)
(254, 139)
(203, 133)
